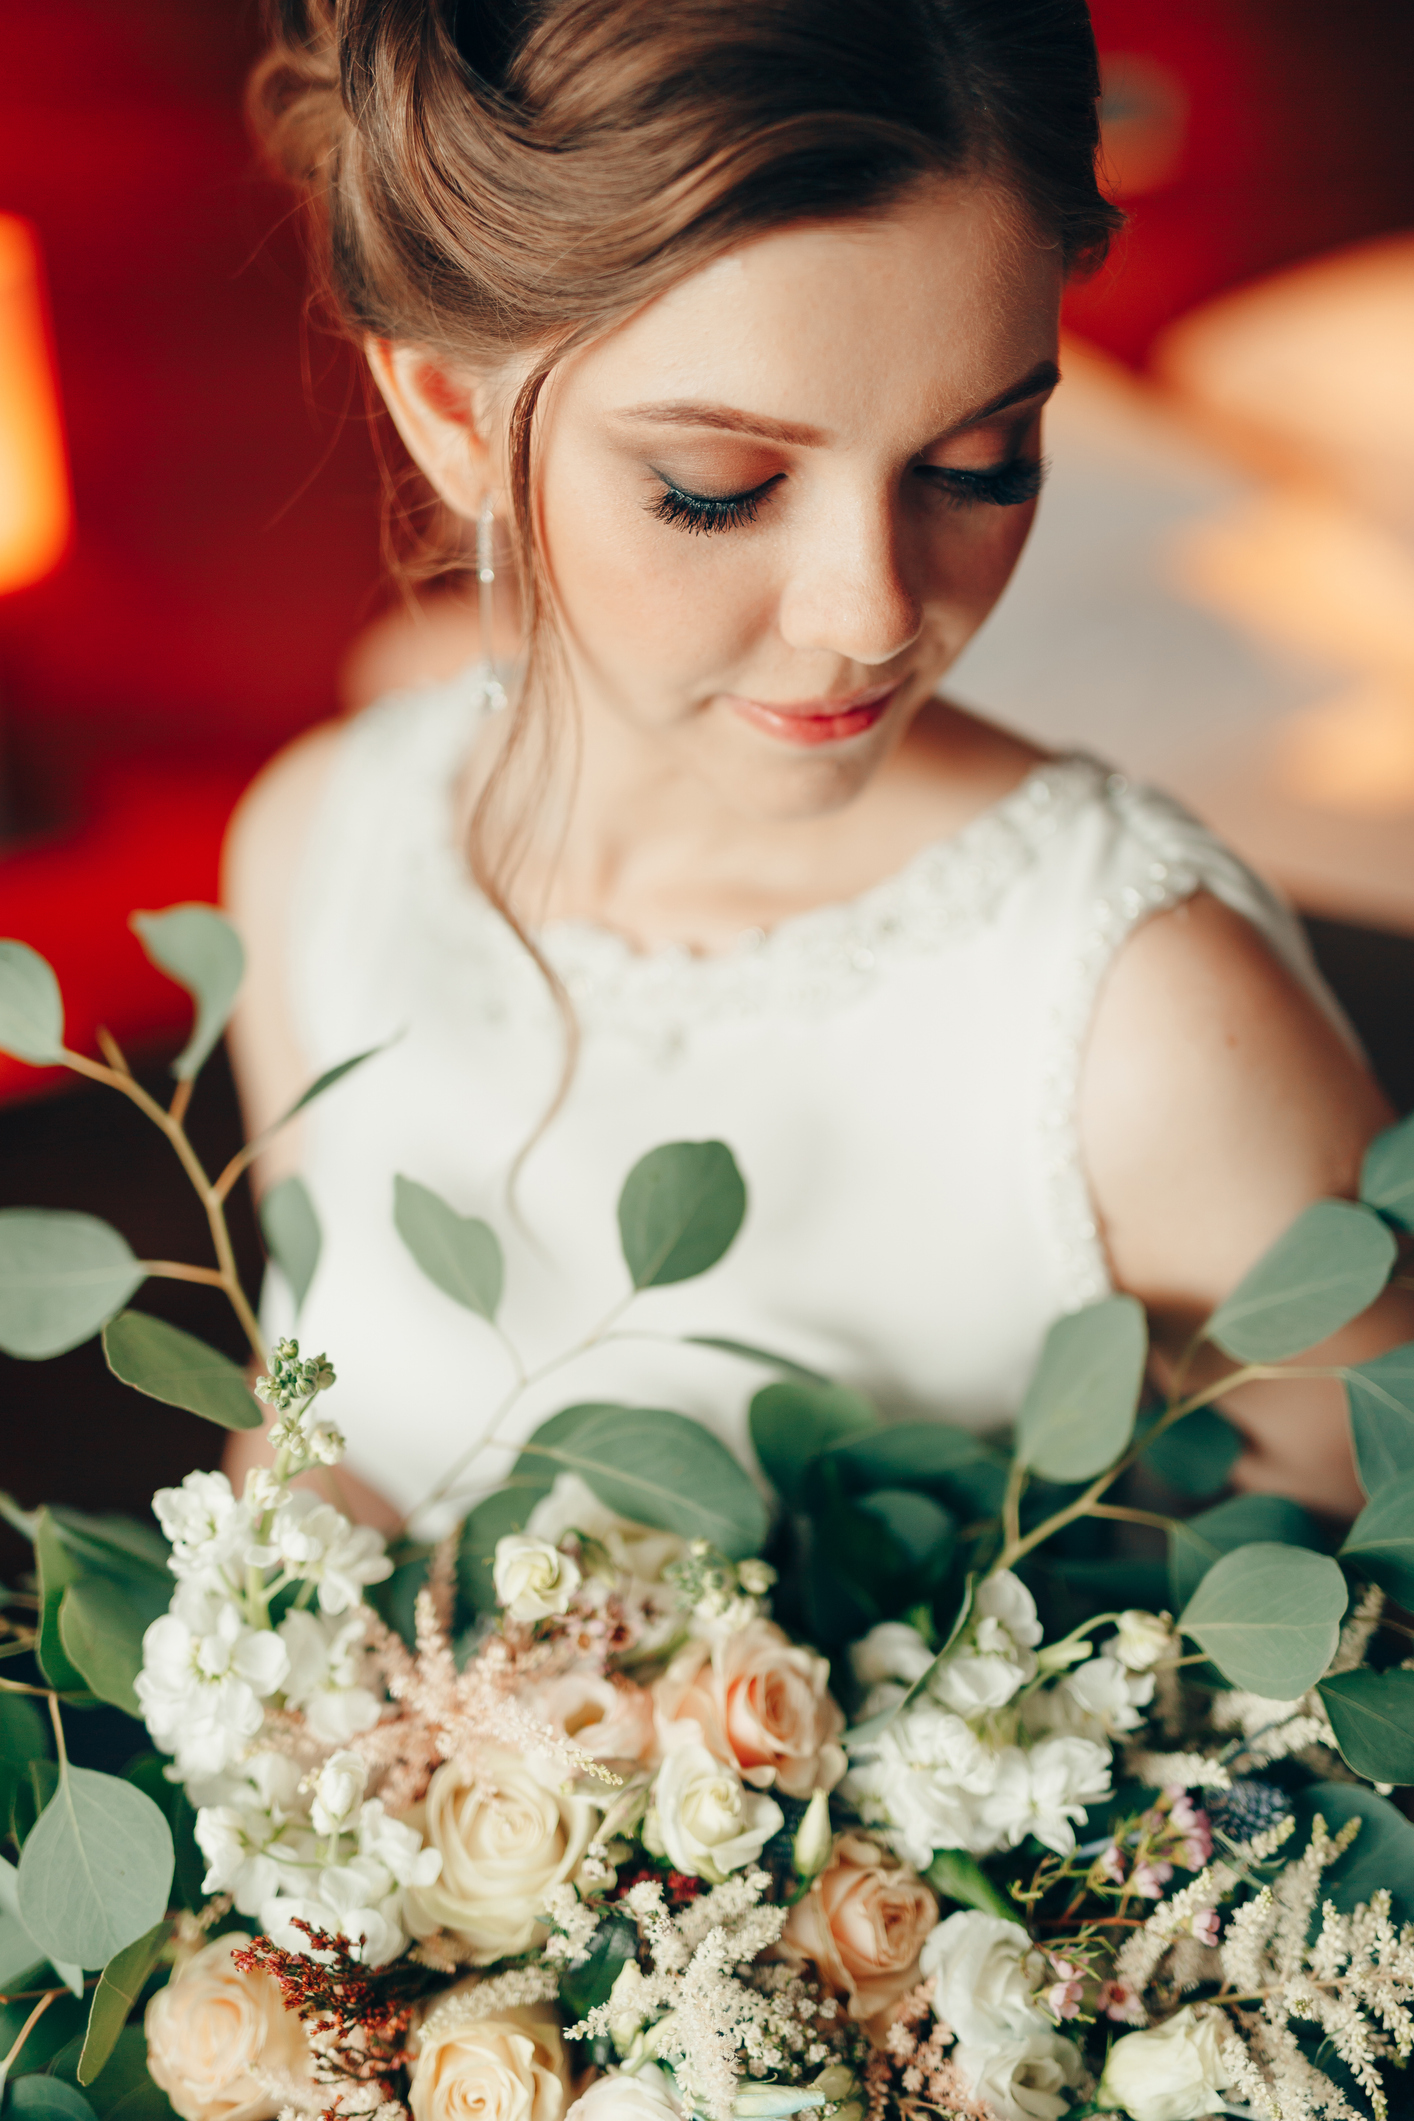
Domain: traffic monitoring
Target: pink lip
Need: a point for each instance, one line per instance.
(816, 721)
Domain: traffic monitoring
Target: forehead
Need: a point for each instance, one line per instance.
(927, 308)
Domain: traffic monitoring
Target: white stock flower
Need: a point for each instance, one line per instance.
(986, 1975)
(1171, 2072)
(204, 1676)
(996, 1654)
(1045, 1791)
(971, 1686)
(1005, 1599)
(351, 1901)
(397, 1846)
(1099, 1701)
(253, 1831)
(207, 1527)
(1024, 2080)
(922, 1779)
(338, 1792)
(704, 1819)
(1141, 1639)
(892, 1650)
(326, 1674)
(316, 1542)
(533, 1579)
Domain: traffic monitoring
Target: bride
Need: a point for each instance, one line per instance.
(730, 325)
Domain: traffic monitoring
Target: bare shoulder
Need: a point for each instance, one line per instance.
(1217, 1101)
(265, 844)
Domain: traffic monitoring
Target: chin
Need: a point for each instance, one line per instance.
(790, 789)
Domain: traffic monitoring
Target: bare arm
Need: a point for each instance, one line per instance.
(1216, 1103)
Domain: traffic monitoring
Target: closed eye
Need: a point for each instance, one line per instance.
(700, 512)
(1005, 486)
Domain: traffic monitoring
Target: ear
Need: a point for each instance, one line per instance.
(436, 410)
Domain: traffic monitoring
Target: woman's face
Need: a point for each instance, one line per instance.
(778, 502)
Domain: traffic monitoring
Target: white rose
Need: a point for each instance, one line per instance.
(892, 1650)
(645, 2096)
(1141, 1639)
(572, 1506)
(533, 1579)
(338, 1792)
(1025, 2080)
(704, 1819)
(986, 1974)
(510, 2067)
(505, 1839)
(1172, 2072)
(211, 2033)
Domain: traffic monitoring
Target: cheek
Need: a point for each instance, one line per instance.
(974, 571)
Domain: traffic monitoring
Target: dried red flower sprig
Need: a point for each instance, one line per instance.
(357, 2016)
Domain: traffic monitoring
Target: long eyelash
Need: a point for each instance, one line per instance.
(1007, 486)
(699, 512)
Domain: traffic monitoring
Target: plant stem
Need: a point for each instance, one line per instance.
(27, 2028)
(175, 1270)
(1128, 1516)
(58, 1722)
(1011, 1502)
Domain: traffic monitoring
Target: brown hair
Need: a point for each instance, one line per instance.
(502, 179)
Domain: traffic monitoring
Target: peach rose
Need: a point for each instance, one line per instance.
(762, 1705)
(212, 2028)
(610, 1718)
(863, 1923)
(504, 1838)
(510, 2067)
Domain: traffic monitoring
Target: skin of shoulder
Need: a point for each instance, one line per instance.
(1218, 1101)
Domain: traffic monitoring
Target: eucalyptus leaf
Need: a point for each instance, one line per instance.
(290, 1227)
(31, 1006)
(29, 1797)
(148, 1773)
(680, 1208)
(327, 1080)
(1195, 1543)
(121, 1546)
(922, 1529)
(119, 1987)
(1381, 1855)
(198, 948)
(145, 2102)
(1326, 1269)
(123, 2080)
(461, 1254)
(24, 1736)
(749, 1352)
(656, 1468)
(1381, 1397)
(37, 2097)
(1387, 1179)
(792, 1423)
(101, 1632)
(1078, 1411)
(56, 1570)
(1196, 1454)
(1372, 1715)
(62, 1276)
(956, 1875)
(926, 1454)
(1380, 1543)
(180, 1370)
(1269, 1617)
(96, 1870)
(19, 1954)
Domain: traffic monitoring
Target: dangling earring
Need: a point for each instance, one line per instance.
(493, 691)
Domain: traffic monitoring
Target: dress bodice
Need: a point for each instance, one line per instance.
(896, 1075)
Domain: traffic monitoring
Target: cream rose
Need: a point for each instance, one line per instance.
(533, 1579)
(986, 1974)
(212, 2029)
(645, 2096)
(863, 1924)
(510, 2067)
(703, 1820)
(610, 1718)
(1026, 2080)
(760, 1703)
(1172, 2072)
(504, 1838)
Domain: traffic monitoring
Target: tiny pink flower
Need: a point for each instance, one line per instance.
(1205, 1926)
(1111, 1864)
(1120, 2003)
(1063, 1996)
(1150, 1879)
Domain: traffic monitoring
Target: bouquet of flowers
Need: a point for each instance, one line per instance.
(940, 1783)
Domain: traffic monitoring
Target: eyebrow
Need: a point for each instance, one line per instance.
(684, 412)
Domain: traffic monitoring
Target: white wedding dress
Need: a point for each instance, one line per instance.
(897, 1077)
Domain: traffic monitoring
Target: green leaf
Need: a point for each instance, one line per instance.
(36, 2097)
(748, 1352)
(101, 1633)
(792, 1423)
(458, 1252)
(118, 1989)
(1195, 1543)
(57, 1570)
(62, 1276)
(1387, 1178)
(1372, 1715)
(123, 2079)
(1381, 1396)
(680, 1208)
(198, 948)
(20, 1956)
(924, 1532)
(148, 1774)
(1325, 1270)
(1196, 1454)
(1269, 1617)
(327, 1080)
(179, 1369)
(31, 1006)
(926, 1454)
(656, 1468)
(504, 1512)
(96, 1871)
(24, 1736)
(1382, 1853)
(956, 1875)
(290, 1228)
(586, 1986)
(145, 2102)
(30, 1796)
(121, 1546)
(1078, 1412)
(1380, 1544)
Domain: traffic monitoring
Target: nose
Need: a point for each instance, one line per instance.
(849, 590)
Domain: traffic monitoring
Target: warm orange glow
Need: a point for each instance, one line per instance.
(35, 509)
